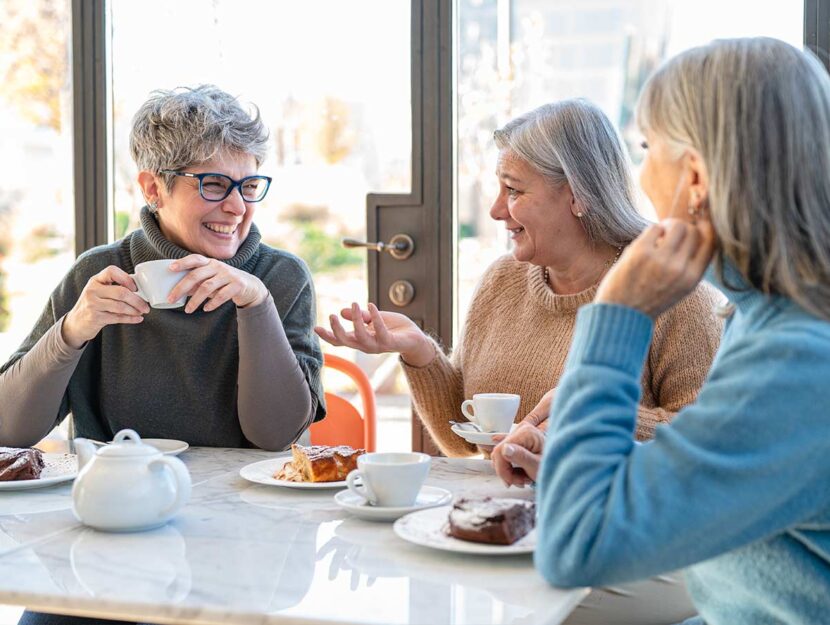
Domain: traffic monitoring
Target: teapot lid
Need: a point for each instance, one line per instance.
(127, 443)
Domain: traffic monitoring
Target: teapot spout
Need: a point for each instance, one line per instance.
(85, 450)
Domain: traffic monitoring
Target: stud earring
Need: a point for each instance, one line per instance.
(579, 214)
(153, 206)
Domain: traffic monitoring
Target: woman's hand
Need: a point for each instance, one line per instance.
(108, 298)
(517, 458)
(377, 332)
(660, 267)
(210, 279)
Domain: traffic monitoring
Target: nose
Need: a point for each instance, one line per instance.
(498, 211)
(234, 203)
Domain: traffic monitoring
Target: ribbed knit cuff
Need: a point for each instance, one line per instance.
(611, 335)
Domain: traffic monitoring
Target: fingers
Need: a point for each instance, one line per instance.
(343, 337)
(346, 313)
(118, 299)
(382, 334)
(217, 298)
(192, 281)
(327, 336)
(113, 274)
(522, 458)
(189, 262)
(361, 332)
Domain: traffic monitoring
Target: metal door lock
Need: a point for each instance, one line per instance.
(401, 293)
(400, 246)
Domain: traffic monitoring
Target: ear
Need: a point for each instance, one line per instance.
(151, 187)
(698, 179)
(576, 208)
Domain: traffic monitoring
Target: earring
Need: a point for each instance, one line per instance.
(153, 206)
(579, 214)
(694, 209)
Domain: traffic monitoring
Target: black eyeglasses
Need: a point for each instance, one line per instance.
(216, 187)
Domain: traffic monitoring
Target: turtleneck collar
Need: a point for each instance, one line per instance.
(733, 285)
(150, 244)
(544, 295)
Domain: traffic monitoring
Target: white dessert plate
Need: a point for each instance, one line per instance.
(59, 468)
(471, 434)
(428, 497)
(263, 473)
(428, 529)
(167, 446)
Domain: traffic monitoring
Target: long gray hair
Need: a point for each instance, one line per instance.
(758, 112)
(188, 126)
(573, 142)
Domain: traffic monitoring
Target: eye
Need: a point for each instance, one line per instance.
(644, 145)
(511, 192)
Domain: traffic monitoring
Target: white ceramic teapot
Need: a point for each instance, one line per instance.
(127, 486)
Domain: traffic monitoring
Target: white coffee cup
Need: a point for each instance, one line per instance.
(390, 480)
(155, 281)
(492, 412)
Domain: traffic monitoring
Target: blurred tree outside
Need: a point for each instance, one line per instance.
(33, 58)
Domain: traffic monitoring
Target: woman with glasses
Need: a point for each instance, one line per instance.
(239, 364)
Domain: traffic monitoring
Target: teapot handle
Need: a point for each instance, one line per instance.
(182, 479)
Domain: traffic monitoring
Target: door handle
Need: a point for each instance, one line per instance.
(400, 246)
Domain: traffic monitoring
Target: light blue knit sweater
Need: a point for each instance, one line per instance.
(737, 488)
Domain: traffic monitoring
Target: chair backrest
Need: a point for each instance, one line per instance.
(344, 424)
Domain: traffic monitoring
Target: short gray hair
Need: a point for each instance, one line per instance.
(178, 128)
(574, 142)
(758, 112)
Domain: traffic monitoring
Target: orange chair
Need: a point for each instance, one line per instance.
(343, 424)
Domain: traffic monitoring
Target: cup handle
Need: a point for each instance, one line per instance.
(464, 406)
(365, 492)
(139, 292)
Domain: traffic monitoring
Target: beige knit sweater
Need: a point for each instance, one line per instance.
(516, 339)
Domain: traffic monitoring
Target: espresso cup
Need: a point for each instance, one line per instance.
(492, 412)
(155, 281)
(391, 480)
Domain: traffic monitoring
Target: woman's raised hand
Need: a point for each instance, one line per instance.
(109, 297)
(660, 267)
(377, 332)
(211, 279)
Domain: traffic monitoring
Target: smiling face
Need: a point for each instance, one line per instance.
(212, 229)
(541, 218)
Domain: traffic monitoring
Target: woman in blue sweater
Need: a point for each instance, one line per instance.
(737, 489)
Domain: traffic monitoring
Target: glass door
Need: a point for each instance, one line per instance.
(515, 55)
(338, 104)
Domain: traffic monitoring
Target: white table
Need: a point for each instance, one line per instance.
(244, 553)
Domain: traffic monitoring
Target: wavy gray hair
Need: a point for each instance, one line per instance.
(178, 128)
(758, 112)
(574, 142)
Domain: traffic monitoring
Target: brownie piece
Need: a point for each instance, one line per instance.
(20, 464)
(500, 521)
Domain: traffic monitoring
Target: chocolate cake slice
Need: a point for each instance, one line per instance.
(20, 464)
(499, 521)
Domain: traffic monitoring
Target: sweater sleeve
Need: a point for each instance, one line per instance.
(437, 392)
(272, 415)
(685, 340)
(33, 386)
(741, 464)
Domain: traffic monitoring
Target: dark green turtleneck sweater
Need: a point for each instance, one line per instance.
(233, 377)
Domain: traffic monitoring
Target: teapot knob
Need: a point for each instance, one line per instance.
(126, 434)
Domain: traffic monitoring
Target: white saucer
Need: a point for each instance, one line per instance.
(167, 446)
(471, 434)
(429, 497)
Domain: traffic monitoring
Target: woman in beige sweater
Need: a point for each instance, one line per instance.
(566, 197)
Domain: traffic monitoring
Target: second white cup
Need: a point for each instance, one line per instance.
(155, 281)
(390, 480)
(493, 412)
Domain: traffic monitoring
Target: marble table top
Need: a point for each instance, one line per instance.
(245, 553)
